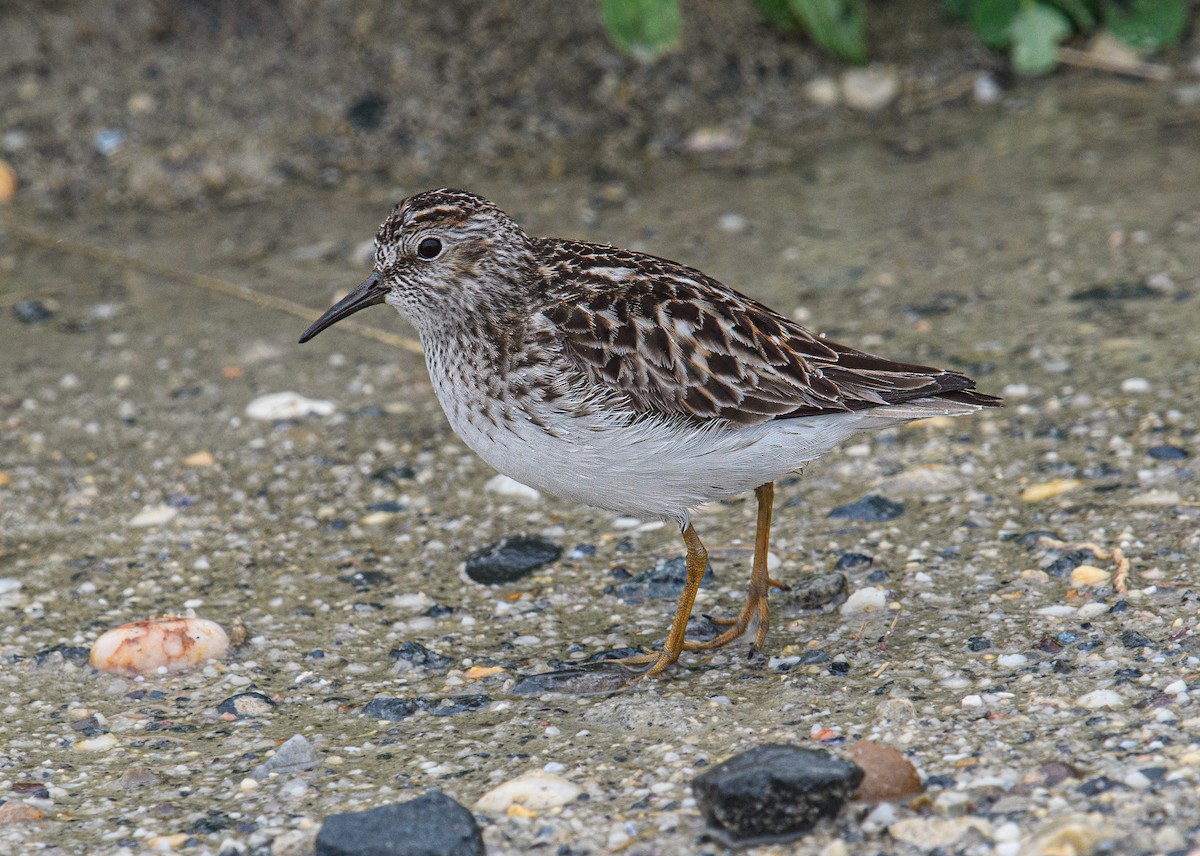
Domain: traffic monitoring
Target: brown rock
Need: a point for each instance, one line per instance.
(887, 775)
(15, 811)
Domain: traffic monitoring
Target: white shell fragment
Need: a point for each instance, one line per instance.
(504, 486)
(159, 645)
(287, 405)
(154, 515)
(535, 790)
(865, 600)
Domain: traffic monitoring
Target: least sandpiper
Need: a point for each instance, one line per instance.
(626, 381)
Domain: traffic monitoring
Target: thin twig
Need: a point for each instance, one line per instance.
(199, 280)
(1097, 62)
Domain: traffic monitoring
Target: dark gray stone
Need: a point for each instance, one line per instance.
(510, 559)
(773, 792)
(872, 509)
(664, 581)
(431, 825)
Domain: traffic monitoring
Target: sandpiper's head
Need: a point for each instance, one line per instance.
(441, 254)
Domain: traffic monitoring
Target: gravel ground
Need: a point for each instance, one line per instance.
(1046, 244)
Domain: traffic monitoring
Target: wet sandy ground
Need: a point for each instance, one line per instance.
(1050, 248)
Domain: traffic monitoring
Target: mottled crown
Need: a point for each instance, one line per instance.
(442, 207)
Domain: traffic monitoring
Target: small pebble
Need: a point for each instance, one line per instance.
(536, 790)
(155, 515)
(8, 182)
(887, 773)
(1101, 699)
(430, 825)
(1167, 453)
(287, 405)
(1089, 576)
(202, 458)
(510, 559)
(31, 311)
(100, 743)
(1135, 385)
(869, 599)
(294, 756)
(822, 91)
(504, 486)
(246, 705)
(873, 509)
(1050, 489)
(773, 792)
(870, 89)
(159, 645)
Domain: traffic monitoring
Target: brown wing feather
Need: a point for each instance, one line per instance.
(678, 342)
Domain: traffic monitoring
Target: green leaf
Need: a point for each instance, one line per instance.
(835, 24)
(1078, 11)
(992, 20)
(1146, 24)
(1035, 32)
(959, 8)
(779, 13)
(645, 28)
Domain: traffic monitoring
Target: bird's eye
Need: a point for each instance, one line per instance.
(429, 248)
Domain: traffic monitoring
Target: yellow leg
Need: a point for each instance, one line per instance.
(697, 562)
(760, 583)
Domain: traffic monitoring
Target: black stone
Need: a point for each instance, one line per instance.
(431, 825)
(363, 580)
(366, 114)
(1121, 289)
(510, 559)
(1064, 564)
(454, 704)
(420, 656)
(773, 792)
(391, 709)
(1167, 453)
(872, 509)
(978, 643)
(394, 474)
(392, 507)
(247, 705)
(31, 311)
(662, 582)
(853, 561)
(1133, 639)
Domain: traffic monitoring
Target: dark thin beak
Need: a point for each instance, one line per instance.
(370, 293)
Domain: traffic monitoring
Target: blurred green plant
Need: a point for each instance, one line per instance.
(1031, 30)
(650, 28)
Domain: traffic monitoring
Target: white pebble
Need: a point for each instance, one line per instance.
(869, 89)
(1135, 385)
(986, 90)
(100, 743)
(504, 486)
(731, 223)
(1090, 610)
(1011, 661)
(972, 700)
(287, 405)
(1016, 390)
(154, 515)
(822, 91)
(535, 790)
(1098, 699)
(1058, 611)
(1175, 687)
(865, 600)
(1137, 780)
